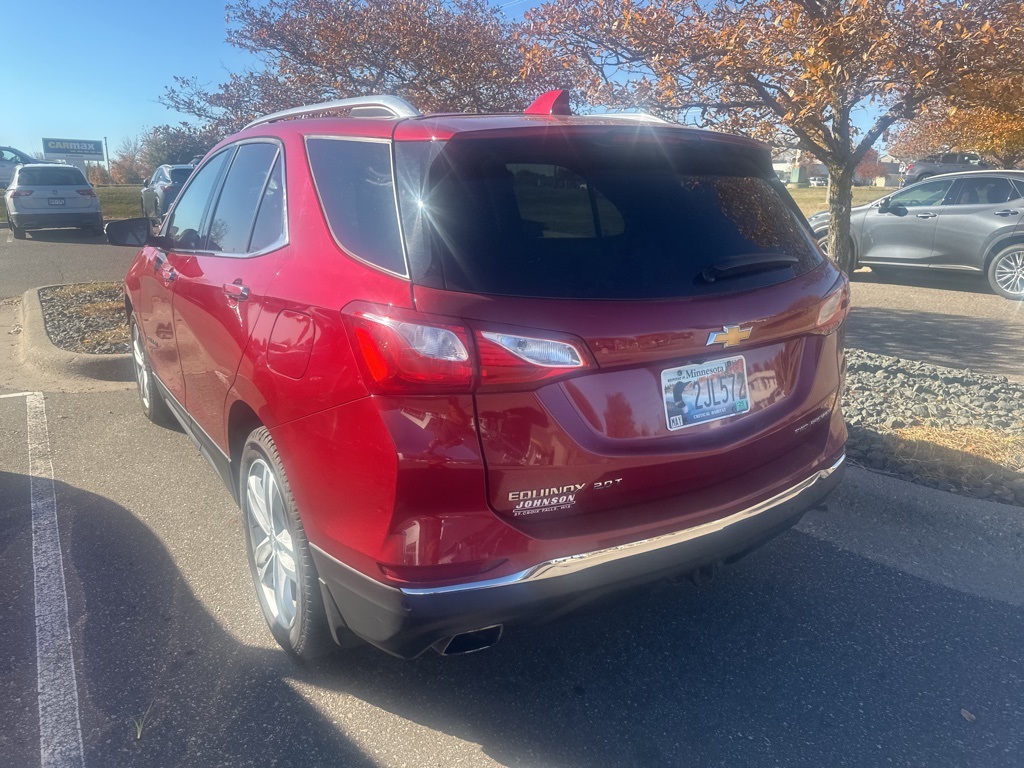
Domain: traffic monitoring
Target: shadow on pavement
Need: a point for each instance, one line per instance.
(803, 654)
(66, 236)
(940, 279)
(939, 339)
(143, 642)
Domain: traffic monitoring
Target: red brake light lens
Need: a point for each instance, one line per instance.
(834, 308)
(22, 192)
(400, 355)
(404, 352)
(86, 192)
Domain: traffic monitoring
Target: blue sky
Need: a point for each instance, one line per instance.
(76, 70)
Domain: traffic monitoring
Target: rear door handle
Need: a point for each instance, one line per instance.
(236, 290)
(926, 215)
(1006, 212)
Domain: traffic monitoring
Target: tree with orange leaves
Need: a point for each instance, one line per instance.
(791, 71)
(441, 55)
(985, 118)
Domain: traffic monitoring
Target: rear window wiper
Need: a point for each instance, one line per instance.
(745, 263)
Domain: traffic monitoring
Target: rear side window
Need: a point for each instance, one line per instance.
(180, 175)
(233, 220)
(985, 191)
(604, 219)
(357, 194)
(51, 177)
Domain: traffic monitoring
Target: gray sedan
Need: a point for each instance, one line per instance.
(962, 221)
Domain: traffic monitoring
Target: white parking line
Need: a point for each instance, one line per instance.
(60, 731)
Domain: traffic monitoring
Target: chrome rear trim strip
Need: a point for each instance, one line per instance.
(574, 563)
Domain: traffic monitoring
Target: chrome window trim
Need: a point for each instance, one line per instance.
(282, 241)
(394, 194)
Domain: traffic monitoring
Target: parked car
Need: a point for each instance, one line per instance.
(462, 371)
(9, 159)
(45, 196)
(162, 189)
(950, 162)
(817, 181)
(960, 221)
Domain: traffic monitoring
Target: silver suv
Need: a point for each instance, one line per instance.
(951, 162)
(42, 196)
(961, 221)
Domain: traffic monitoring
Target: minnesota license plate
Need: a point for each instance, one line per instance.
(56, 201)
(696, 394)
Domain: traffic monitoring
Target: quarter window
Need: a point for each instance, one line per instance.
(357, 194)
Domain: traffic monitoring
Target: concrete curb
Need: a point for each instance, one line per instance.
(38, 352)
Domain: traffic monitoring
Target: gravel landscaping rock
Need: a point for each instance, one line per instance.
(86, 318)
(883, 396)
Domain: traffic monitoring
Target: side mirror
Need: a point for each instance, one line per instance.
(883, 205)
(128, 232)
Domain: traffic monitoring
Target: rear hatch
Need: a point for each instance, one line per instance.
(650, 317)
(54, 190)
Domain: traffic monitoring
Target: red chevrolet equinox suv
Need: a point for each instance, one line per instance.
(463, 371)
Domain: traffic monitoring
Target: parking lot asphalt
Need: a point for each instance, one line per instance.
(885, 630)
(943, 318)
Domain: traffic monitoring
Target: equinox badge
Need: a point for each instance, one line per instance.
(729, 336)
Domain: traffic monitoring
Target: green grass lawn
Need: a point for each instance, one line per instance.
(115, 202)
(813, 199)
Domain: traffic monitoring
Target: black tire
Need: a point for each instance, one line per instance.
(1006, 272)
(822, 239)
(153, 406)
(283, 572)
(19, 232)
(142, 205)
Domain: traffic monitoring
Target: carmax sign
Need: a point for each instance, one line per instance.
(80, 149)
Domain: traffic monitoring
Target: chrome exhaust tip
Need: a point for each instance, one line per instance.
(469, 642)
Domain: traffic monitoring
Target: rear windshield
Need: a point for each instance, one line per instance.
(603, 218)
(180, 175)
(51, 177)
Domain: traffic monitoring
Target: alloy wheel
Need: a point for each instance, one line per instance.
(1008, 272)
(141, 369)
(270, 537)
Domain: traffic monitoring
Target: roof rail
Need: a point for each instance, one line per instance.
(644, 117)
(368, 106)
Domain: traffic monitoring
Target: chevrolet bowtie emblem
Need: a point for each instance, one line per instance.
(729, 336)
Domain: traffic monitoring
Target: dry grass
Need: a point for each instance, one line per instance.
(963, 457)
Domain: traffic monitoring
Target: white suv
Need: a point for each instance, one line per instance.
(43, 196)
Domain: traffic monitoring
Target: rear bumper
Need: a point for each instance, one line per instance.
(56, 219)
(406, 621)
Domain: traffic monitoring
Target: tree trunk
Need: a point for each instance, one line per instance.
(840, 201)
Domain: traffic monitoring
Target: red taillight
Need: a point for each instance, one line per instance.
(405, 352)
(834, 308)
(86, 192)
(401, 354)
(22, 193)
